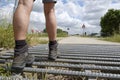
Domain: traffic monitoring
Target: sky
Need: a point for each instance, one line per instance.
(70, 14)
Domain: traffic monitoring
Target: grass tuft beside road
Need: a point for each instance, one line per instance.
(7, 37)
(114, 38)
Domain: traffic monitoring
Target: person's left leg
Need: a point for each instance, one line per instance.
(51, 27)
(51, 24)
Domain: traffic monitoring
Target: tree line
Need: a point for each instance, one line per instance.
(110, 23)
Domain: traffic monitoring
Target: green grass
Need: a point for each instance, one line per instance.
(6, 36)
(6, 70)
(62, 34)
(114, 38)
(34, 39)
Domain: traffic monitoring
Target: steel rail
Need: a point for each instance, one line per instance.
(70, 57)
(83, 55)
(2, 61)
(14, 78)
(82, 61)
(6, 57)
(82, 58)
(69, 54)
(80, 52)
(72, 73)
(78, 61)
(83, 66)
(90, 58)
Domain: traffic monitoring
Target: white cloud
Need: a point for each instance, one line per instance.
(38, 6)
(6, 12)
(70, 13)
(94, 10)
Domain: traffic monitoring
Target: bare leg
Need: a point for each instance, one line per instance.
(51, 24)
(21, 19)
(20, 23)
(51, 27)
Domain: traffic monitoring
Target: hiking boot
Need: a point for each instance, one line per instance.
(30, 59)
(53, 52)
(22, 59)
(19, 60)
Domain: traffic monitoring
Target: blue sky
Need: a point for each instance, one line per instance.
(69, 13)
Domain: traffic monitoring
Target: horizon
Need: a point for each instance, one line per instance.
(70, 14)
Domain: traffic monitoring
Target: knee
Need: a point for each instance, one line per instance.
(26, 4)
(49, 9)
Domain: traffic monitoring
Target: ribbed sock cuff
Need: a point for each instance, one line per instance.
(52, 42)
(20, 43)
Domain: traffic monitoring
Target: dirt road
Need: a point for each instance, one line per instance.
(84, 40)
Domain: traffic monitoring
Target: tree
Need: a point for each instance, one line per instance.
(58, 31)
(110, 22)
(45, 30)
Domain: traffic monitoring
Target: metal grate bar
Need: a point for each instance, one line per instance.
(70, 57)
(2, 61)
(90, 58)
(83, 55)
(83, 66)
(79, 52)
(82, 61)
(72, 73)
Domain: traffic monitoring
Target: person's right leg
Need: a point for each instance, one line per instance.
(21, 19)
(20, 26)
